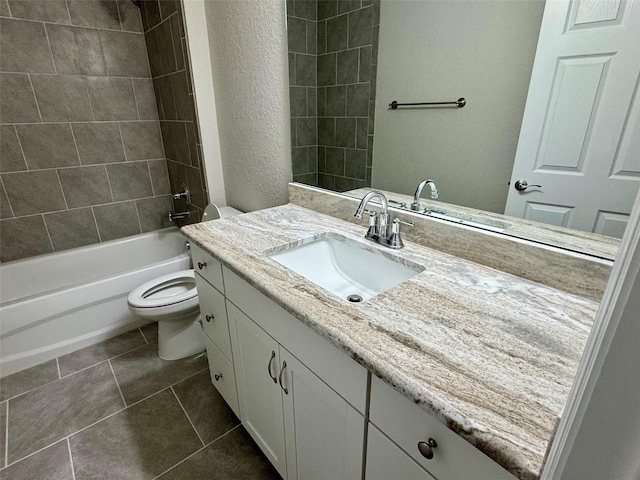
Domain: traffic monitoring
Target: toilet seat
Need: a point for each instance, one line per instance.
(172, 289)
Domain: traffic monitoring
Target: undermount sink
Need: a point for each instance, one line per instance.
(349, 271)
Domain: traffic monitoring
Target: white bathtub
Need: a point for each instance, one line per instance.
(54, 304)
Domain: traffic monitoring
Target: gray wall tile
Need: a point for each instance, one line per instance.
(312, 40)
(3, 413)
(129, 180)
(321, 37)
(337, 29)
(342, 184)
(116, 220)
(193, 141)
(348, 5)
(11, 158)
(326, 181)
(336, 102)
(305, 69)
(335, 161)
(179, 47)
(346, 132)
(347, 66)
(90, 13)
(312, 100)
(145, 98)
(5, 208)
(62, 98)
(84, 186)
(46, 11)
(358, 100)
(52, 463)
(177, 175)
(355, 163)
(360, 27)
(76, 51)
(48, 145)
(321, 102)
(17, 101)
(168, 8)
(306, 9)
(34, 192)
(4, 8)
(299, 160)
(24, 47)
(176, 146)
(361, 132)
(327, 69)
(98, 142)
(183, 101)
(112, 98)
(151, 13)
(297, 35)
(129, 16)
(23, 237)
(165, 51)
(153, 212)
(142, 140)
(364, 74)
(164, 92)
(326, 131)
(125, 54)
(298, 101)
(159, 177)
(327, 8)
(306, 131)
(72, 228)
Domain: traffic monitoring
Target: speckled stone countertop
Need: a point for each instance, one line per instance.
(491, 355)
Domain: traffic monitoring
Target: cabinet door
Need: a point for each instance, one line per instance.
(386, 461)
(256, 362)
(324, 434)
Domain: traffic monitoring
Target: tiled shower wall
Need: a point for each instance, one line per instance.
(81, 155)
(168, 56)
(346, 33)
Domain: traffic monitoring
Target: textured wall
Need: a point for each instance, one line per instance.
(169, 59)
(249, 58)
(81, 155)
(440, 51)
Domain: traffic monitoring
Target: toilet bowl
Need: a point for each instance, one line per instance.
(172, 301)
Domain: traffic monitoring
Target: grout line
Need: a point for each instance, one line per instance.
(198, 451)
(102, 361)
(106, 171)
(95, 221)
(64, 197)
(187, 415)
(66, 4)
(86, 88)
(35, 98)
(143, 336)
(13, 214)
(124, 150)
(117, 384)
(153, 190)
(6, 437)
(135, 97)
(48, 233)
(119, 17)
(58, 365)
(10, 13)
(73, 470)
(85, 27)
(53, 59)
(24, 157)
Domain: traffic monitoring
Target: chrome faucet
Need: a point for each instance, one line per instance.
(379, 223)
(416, 196)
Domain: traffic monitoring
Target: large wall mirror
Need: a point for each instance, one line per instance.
(551, 101)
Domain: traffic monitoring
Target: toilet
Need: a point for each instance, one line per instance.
(172, 301)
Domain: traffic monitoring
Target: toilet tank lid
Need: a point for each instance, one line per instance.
(213, 212)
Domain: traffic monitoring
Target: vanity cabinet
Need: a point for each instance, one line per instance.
(299, 417)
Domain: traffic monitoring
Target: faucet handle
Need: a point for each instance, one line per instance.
(372, 232)
(395, 228)
(394, 240)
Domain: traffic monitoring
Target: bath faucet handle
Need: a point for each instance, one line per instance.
(372, 232)
(394, 240)
(398, 221)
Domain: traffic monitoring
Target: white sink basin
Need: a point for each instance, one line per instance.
(348, 271)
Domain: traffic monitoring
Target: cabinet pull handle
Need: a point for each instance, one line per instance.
(273, 377)
(208, 318)
(284, 365)
(218, 377)
(426, 448)
(201, 265)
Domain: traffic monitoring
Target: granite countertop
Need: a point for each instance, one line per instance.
(491, 355)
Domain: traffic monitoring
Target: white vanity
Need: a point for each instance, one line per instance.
(310, 374)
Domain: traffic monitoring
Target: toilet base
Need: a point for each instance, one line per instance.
(180, 338)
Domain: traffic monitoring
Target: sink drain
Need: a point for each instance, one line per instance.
(355, 298)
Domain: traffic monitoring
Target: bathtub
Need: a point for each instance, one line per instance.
(57, 303)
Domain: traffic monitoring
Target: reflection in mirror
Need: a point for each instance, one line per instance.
(579, 136)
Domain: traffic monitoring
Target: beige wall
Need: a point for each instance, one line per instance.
(440, 51)
(248, 47)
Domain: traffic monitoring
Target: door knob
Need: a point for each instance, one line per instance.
(522, 185)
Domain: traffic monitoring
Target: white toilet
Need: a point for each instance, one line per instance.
(172, 301)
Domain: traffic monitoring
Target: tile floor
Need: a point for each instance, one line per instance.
(117, 411)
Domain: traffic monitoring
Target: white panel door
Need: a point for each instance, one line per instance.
(580, 136)
(256, 363)
(324, 434)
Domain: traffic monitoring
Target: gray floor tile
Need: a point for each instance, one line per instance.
(142, 372)
(102, 351)
(150, 332)
(210, 414)
(232, 457)
(3, 431)
(52, 463)
(29, 379)
(138, 443)
(44, 415)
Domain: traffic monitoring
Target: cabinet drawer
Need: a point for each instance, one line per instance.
(207, 266)
(214, 316)
(226, 381)
(407, 424)
(335, 368)
(386, 461)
